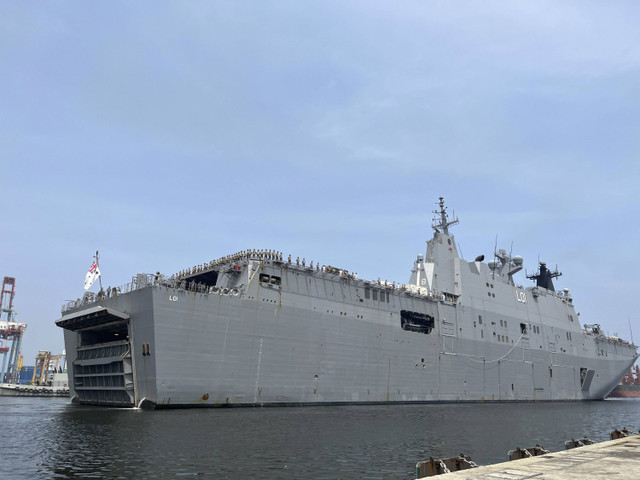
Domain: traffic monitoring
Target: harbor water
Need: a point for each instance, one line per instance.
(49, 438)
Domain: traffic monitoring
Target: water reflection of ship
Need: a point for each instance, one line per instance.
(629, 387)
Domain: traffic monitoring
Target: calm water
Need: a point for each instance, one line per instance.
(48, 438)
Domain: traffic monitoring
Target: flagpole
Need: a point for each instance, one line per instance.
(98, 265)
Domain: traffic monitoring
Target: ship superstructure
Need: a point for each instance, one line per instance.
(256, 328)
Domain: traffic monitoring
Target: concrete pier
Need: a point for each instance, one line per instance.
(613, 459)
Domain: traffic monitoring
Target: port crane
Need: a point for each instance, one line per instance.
(11, 333)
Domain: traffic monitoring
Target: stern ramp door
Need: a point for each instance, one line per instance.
(103, 367)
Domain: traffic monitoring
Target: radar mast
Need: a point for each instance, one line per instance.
(440, 221)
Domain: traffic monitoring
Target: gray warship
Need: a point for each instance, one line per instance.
(254, 329)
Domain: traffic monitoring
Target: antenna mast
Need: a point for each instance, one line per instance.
(442, 222)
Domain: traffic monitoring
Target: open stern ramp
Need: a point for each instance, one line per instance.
(102, 372)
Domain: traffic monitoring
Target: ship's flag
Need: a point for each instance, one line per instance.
(92, 275)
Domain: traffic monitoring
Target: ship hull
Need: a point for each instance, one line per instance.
(263, 346)
(625, 391)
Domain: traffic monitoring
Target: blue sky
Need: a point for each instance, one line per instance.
(167, 134)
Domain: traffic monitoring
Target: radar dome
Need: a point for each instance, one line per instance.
(517, 260)
(492, 264)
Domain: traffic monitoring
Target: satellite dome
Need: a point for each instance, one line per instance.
(517, 260)
(492, 264)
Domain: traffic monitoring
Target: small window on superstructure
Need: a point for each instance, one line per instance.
(480, 319)
(367, 293)
(375, 294)
(501, 323)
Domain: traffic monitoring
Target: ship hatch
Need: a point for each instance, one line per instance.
(103, 367)
(586, 377)
(416, 322)
(91, 317)
(208, 278)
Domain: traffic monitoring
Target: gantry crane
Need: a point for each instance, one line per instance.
(10, 333)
